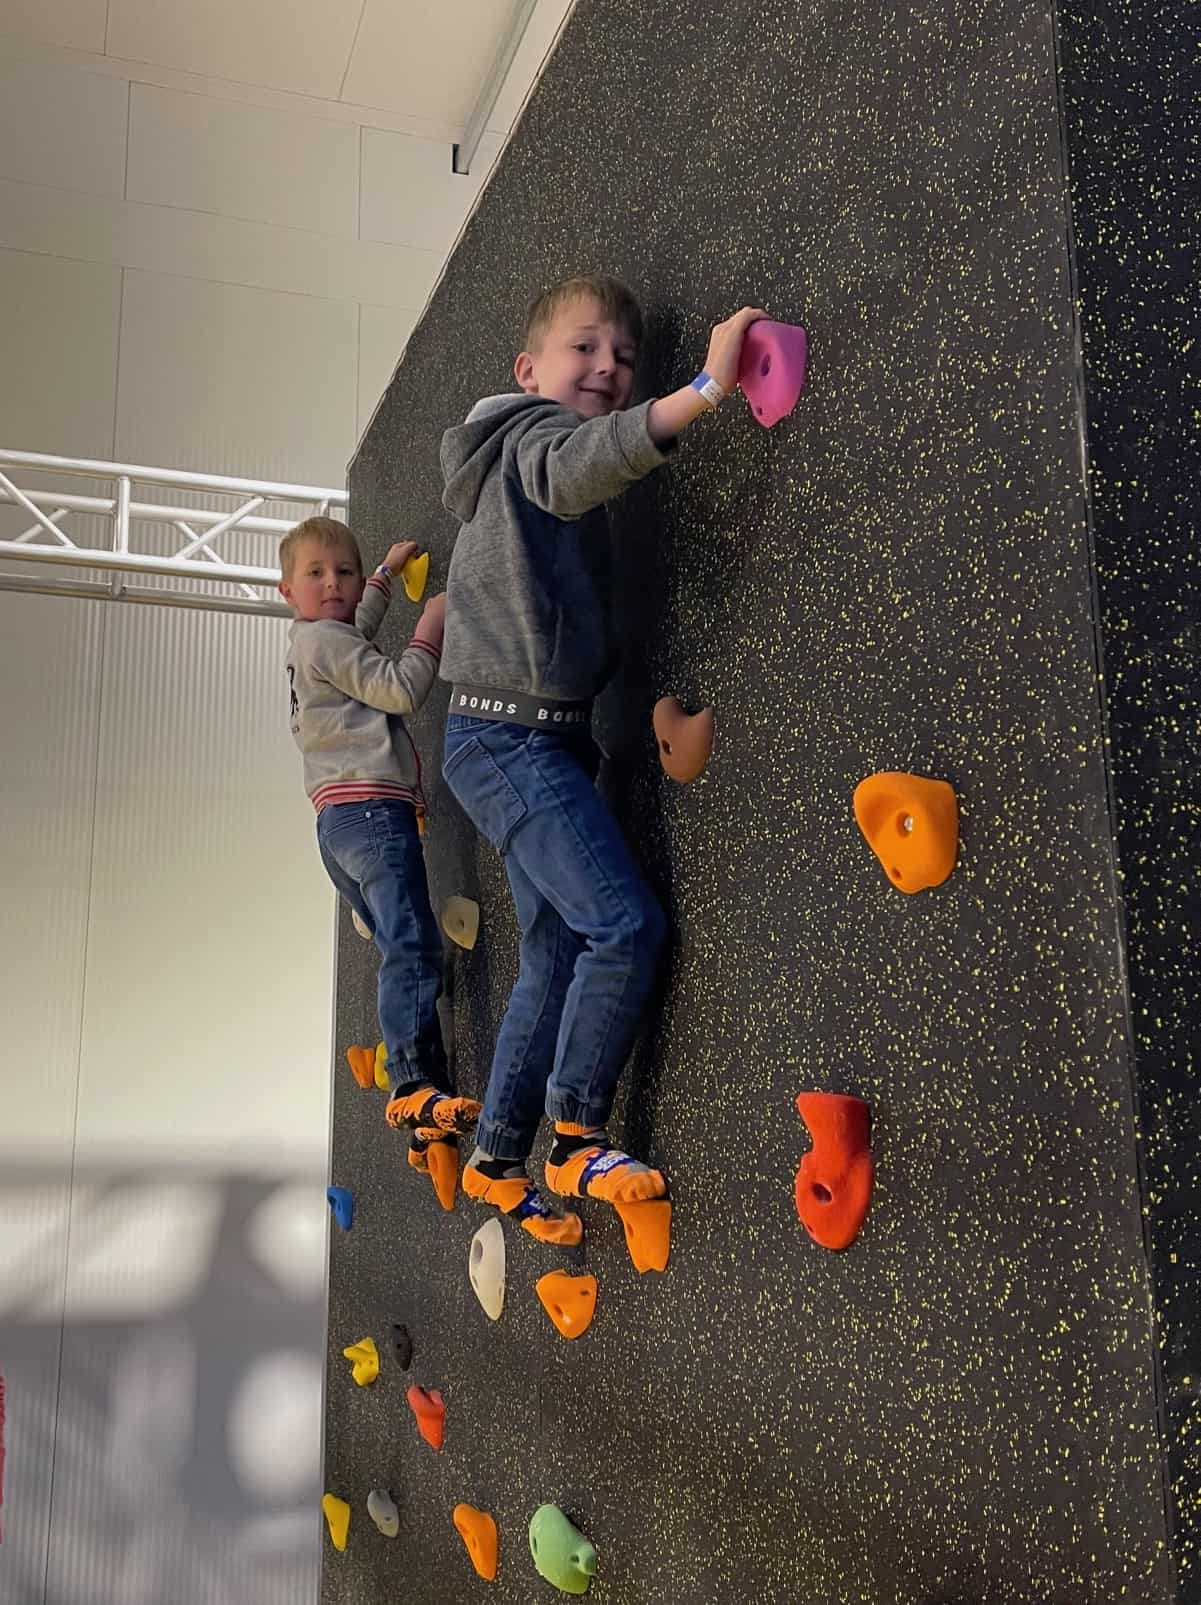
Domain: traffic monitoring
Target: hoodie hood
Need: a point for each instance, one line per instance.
(471, 448)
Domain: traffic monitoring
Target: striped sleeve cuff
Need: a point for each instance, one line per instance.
(426, 646)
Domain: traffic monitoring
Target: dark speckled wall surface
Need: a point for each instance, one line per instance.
(966, 1406)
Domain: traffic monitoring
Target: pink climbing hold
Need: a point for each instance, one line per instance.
(771, 372)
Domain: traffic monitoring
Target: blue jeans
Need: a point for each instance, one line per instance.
(372, 853)
(591, 930)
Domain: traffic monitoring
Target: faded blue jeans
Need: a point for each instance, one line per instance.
(372, 853)
(591, 930)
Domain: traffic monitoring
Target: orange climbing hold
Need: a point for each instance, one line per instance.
(834, 1182)
(912, 825)
(648, 1232)
(478, 1531)
(362, 1065)
(426, 1404)
(685, 741)
(444, 1171)
(570, 1301)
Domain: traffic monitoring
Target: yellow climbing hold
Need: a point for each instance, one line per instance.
(414, 575)
(461, 920)
(382, 1079)
(364, 1359)
(337, 1519)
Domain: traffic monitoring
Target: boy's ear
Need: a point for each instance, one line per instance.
(523, 372)
(285, 590)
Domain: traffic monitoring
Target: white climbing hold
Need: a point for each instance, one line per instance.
(381, 1507)
(486, 1267)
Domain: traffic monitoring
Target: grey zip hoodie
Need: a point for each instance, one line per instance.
(529, 595)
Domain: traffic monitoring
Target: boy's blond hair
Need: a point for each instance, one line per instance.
(326, 532)
(615, 300)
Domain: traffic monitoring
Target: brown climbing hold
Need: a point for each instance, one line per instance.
(461, 921)
(834, 1182)
(444, 1170)
(570, 1301)
(648, 1232)
(426, 1404)
(362, 1065)
(684, 740)
(912, 825)
(477, 1529)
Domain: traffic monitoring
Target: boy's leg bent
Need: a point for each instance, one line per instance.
(525, 1045)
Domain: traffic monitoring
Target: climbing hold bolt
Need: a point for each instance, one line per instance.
(477, 1529)
(912, 825)
(364, 1359)
(834, 1182)
(562, 1555)
(685, 740)
(771, 369)
(486, 1267)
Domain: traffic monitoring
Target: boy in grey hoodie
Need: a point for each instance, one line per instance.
(529, 643)
(363, 776)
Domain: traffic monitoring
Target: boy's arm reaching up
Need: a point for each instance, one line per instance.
(369, 614)
(361, 671)
(567, 469)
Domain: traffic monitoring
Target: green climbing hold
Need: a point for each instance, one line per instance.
(561, 1554)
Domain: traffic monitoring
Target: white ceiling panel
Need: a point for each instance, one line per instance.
(426, 57)
(383, 333)
(77, 24)
(410, 194)
(544, 26)
(62, 127)
(242, 161)
(301, 45)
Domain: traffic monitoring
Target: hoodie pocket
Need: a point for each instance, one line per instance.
(484, 792)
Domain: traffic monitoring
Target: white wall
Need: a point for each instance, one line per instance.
(216, 273)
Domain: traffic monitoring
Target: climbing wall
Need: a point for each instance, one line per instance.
(965, 1405)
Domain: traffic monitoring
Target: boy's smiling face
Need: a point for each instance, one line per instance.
(326, 582)
(583, 361)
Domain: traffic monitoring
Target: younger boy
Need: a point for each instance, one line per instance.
(363, 775)
(529, 644)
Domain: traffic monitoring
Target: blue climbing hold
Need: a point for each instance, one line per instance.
(341, 1201)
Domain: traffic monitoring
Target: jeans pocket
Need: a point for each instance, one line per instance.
(484, 792)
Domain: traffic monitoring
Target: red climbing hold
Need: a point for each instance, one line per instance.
(771, 370)
(426, 1404)
(834, 1182)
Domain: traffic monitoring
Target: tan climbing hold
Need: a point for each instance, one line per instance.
(912, 826)
(382, 1079)
(414, 574)
(337, 1518)
(364, 1360)
(648, 1232)
(570, 1301)
(461, 921)
(477, 1529)
(362, 1065)
(685, 740)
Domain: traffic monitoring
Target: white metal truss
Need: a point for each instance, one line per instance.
(142, 500)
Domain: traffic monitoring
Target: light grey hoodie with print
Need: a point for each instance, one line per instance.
(348, 703)
(529, 595)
